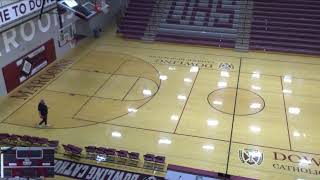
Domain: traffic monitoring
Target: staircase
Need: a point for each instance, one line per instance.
(243, 35)
(153, 24)
(136, 19)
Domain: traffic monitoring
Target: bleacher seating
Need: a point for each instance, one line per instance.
(136, 18)
(206, 22)
(275, 25)
(286, 25)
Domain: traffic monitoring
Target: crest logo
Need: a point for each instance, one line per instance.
(251, 156)
(225, 66)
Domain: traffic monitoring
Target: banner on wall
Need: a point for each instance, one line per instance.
(18, 71)
(20, 9)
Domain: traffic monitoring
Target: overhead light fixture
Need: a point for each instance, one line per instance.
(222, 84)
(132, 110)
(188, 80)
(255, 75)
(208, 147)
(116, 134)
(294, 110)
(212, 122)
(255, 106)
(164, 141)
(194, 69)
(172, 68)
(255, 129)
(224, 74)
(255, 87)
(174, 117)
(182, 97)
(163, 77)
(147, 92)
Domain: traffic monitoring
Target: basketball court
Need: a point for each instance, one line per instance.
(200, 107)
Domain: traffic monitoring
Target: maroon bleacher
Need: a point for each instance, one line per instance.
(286, 26)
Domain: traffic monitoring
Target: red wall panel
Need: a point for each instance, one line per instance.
(18, 71)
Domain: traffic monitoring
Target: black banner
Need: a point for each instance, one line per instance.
(91, 172)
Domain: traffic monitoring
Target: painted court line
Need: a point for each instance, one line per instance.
(285, 111)
(195, 79)
(233, 117)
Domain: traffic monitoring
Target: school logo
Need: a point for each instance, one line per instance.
(225, 66)
(251, 156)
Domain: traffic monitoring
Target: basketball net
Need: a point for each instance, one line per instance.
(73, 43)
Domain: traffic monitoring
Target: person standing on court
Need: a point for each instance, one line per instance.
(43, 112)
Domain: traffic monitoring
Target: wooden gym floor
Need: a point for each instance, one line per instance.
(205, 117)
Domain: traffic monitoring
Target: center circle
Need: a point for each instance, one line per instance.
(246, 101)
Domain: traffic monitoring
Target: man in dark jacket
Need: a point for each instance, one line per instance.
(43, 112)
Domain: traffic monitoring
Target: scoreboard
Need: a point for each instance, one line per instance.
(28, 162)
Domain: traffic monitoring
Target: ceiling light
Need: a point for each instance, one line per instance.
(172, 68)
(188, 80)
(147, 92)
(164, 141)
(208, 147)
(194, 69)
(256, 87)
(217, 102)
(174, 117)
(182, 97)
(211, 122)
(163, 77)
(222, 84)
(294, 110)
(116, 134)
(255, 75)
(255, 106)
(287, 91)
(132, 110)
(224, 74)
(255, 129)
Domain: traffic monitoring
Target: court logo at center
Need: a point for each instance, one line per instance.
(225, 66)
(251, 156)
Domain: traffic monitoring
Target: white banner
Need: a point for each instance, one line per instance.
(20, 9)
